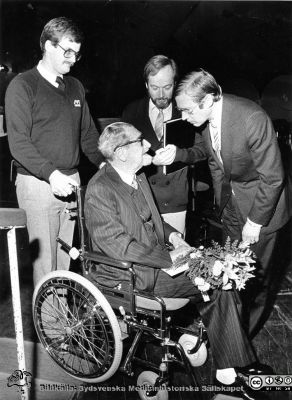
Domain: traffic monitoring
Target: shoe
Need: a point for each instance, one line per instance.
(255, 369)
(239, 388)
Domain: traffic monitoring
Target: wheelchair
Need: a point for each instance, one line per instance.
(85, 327)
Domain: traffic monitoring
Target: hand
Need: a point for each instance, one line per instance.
(179, 251)
(251, 233)
(61, 184)
(147, 159)
(165, 156)
(176, 240)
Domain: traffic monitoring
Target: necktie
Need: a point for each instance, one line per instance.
(216, 141)
(61, 83)
(134, 183)
(159, 125)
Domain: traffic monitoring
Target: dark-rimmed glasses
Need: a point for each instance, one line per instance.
(68, 53)
(130, 142)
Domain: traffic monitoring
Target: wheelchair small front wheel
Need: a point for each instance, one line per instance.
(147, 389)
(188, 342)
(77, 326)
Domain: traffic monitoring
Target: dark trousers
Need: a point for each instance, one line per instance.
(229, 343)
(259, 296)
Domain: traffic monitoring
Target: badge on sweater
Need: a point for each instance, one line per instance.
(77, 103)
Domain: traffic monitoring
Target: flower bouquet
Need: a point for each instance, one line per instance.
(218, 267)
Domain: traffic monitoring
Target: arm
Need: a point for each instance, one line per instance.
(172, 153)
(18, 110)
(89, 135)
(111, 235)
(193, 154)
(265, 153)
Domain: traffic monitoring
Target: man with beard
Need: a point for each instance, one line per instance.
(47, 121)
(147, 115)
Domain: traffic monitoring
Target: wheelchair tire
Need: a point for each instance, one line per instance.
(188, 342)
(147, 379)
(77, 326)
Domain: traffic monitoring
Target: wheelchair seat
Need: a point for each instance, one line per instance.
(171, 304)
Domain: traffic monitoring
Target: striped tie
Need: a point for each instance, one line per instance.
(216, 141)
(159, 125)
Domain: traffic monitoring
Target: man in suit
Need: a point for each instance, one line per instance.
(124, 223)
(170, 191)
(248, 179)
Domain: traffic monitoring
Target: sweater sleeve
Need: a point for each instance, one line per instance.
(18, 111)
(89, 135)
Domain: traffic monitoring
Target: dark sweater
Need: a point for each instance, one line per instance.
(46, 125)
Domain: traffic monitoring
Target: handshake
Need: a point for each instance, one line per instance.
(164, 156)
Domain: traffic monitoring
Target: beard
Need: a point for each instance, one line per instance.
(161, 102)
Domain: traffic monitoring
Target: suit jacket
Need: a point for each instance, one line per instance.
(252, 165)
(170, 191)
(116, 228)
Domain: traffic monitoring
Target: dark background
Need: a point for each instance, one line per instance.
(244, 44)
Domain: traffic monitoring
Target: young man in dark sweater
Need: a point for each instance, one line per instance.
(47, 121)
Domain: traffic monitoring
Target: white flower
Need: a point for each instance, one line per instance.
(240, 285)
(217, 268)
(228, 286)
(196, 254)
(199, 281)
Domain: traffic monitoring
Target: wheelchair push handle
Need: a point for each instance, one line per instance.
(72, 251)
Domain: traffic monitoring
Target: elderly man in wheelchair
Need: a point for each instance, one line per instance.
(125, 293)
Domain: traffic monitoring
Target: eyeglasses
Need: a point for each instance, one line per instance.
(189, 111)
(68, 53)
(130, 142)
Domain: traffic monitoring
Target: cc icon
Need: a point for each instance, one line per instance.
(255, 382)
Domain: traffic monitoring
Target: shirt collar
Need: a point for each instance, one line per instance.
(49, 76)
(125, 177)
(166, 111)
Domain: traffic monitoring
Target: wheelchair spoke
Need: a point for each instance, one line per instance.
(75, 328)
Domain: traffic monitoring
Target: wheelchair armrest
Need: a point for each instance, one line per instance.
(101, 258)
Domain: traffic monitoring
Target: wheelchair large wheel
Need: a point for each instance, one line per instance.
(146, 383)
(188, 342)
(77, 326)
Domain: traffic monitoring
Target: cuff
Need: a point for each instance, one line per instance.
(253, 223)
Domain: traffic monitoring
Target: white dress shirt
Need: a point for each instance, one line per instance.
(154, 111)
(49, 76)
(215, 125)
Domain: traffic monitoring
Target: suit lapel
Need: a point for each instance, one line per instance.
(146, 126)
(209, 144)
(227, 136)
(155, 214)
(119, 186)
(175, 113)
(117, 182)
